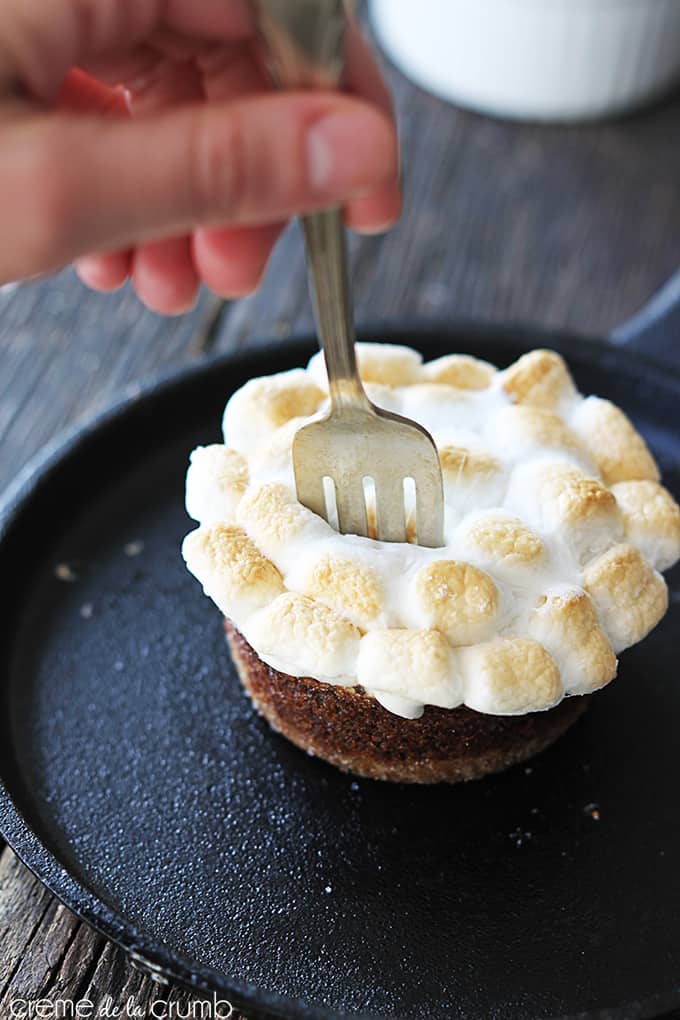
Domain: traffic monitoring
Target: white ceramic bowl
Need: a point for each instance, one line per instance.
(535, 59)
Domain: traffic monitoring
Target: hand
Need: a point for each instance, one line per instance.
(141, 139)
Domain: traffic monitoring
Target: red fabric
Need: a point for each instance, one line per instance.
(82, 93)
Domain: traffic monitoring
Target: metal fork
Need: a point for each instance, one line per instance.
(355, 441)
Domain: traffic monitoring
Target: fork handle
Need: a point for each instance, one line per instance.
(329, 276)
(305, 48)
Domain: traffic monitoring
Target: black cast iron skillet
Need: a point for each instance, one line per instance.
(139, 785)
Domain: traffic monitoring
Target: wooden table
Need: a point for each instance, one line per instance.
(571, 227)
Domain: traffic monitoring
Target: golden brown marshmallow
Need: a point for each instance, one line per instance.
(460, 463)
(631, 597)
(389, 364)
(267, 403)
(459, 370)
(651, 519)
(510, 676)
(274, 518)
(472, 479)
(574, 497)
(565, 622)
(276, 450)
(504, 540)
(561, 499)
(391, 660)
(458, 599)
(540, 378)
(231, 568)
(299, 635)
(216, 480)
(616, 446)
(522, 428)
(350, 587)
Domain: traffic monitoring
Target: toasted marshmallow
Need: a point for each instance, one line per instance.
(510, 676)
(458, 599)
(459, 370)
(472, 479)
(275, 520)
(302, 637)
(274, 455)
(265, 404)
(216, 480)
(352, 588)
(521, 430)
(502, 540)
(616, 446)
(631, 597)
(445, 411)
(530, 521)
(572, 497)
(460, 465)
(388, 364)
(651, 519)
(232, 570)
(559, 499)
(565, 622)
(406, 661)
(540, 378)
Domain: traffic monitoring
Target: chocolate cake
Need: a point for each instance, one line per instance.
(350, 729)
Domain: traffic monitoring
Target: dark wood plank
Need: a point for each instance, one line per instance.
(67, 352)
(46, 953)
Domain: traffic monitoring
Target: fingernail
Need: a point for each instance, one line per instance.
(350, 153)
(373, 229)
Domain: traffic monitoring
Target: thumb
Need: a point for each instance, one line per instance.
(74, 184)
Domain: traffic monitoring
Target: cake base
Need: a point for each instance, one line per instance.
(351, 730)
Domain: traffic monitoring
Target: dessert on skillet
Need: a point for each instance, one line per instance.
(414, 664)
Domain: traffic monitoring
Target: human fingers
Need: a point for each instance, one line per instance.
(248, 162)
(231, 261)
(163, 275)
(105, 271)
(375, 213)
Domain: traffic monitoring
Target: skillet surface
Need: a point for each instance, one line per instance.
(140, 786)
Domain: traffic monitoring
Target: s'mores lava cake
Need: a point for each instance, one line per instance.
(421, 665)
